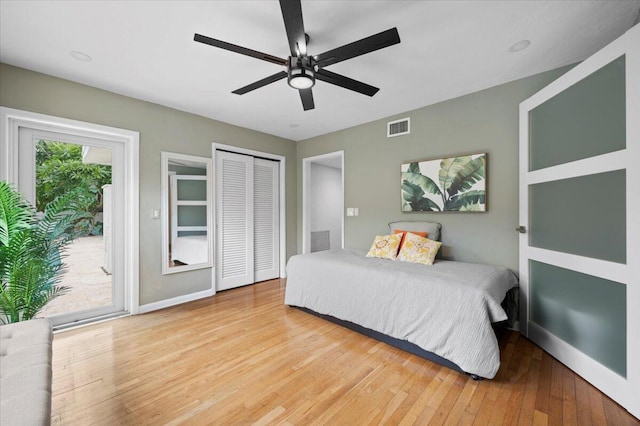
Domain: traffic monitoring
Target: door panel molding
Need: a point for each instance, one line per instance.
(605, 269)
(601, 164)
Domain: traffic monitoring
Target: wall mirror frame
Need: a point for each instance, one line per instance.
(186, 212)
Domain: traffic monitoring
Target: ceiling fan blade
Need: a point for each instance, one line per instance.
(346, 82)
(258, 84)
(366, 45)
(239, 49)
(307, 99)
(293, 23)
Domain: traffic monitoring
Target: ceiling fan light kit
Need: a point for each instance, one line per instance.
(303, 69)
(301, 75)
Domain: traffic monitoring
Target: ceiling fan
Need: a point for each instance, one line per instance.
(304, 69)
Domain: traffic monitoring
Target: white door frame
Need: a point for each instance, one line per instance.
(625, 391)
(283, 214)
(10, 122)
(113, 228)
(306, 196)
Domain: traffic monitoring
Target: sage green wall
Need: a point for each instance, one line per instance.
(485, 121)
(161, 129)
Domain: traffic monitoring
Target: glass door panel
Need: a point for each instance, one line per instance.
(191, 190)
(583, 215)
(587, 312)
(573, 124)
(55, 164)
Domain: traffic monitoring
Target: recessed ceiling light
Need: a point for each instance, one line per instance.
(83, 57)
(521, 45)
(293, 126)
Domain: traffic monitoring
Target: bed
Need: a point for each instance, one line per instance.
(446, 309)
(190, 250)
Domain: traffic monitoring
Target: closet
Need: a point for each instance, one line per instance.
(247, 219)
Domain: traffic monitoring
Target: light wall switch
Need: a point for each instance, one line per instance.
(350, 211)
(155, 214)
(356, 212)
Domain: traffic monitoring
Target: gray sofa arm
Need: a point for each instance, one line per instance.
(25, 373)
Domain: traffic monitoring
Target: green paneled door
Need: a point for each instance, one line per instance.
(579, 241)
(576, 195)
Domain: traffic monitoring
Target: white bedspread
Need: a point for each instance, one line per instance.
(446, 308)
(190, 250)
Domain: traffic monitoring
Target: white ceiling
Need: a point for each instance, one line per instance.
(145, 49)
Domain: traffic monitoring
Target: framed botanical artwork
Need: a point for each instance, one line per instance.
(445, 184)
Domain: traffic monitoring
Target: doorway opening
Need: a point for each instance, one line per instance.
(45, 157)
(323, 202)
(86, 171)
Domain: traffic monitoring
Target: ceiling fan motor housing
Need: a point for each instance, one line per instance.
(300, 73)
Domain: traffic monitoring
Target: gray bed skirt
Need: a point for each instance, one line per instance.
(400, 344)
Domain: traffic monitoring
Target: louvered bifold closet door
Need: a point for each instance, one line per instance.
(266, 220)
(234, 220)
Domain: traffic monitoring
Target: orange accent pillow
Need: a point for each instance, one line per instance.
(404, 234)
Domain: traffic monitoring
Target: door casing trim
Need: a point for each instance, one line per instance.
(10, 122)
(215, 146)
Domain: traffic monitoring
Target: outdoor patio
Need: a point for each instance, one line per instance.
(90, 286)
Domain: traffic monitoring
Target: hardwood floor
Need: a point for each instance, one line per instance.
(243, 357)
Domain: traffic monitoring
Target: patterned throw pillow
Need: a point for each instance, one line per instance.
(404, 233)
(418, 249)
(385, 246)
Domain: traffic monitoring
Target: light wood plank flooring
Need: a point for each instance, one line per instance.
(243, 357)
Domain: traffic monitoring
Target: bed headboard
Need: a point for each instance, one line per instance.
(431, 228)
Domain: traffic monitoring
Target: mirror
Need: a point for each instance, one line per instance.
(186, 213)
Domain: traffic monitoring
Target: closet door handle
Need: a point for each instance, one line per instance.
(521, 229)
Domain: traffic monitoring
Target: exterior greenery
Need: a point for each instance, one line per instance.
(456, 177)
(59, 170)
(31, 246)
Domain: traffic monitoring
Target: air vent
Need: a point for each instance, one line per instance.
(398, 127)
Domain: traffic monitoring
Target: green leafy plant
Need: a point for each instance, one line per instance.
(60, 169)
(456, 177)
(31, 248)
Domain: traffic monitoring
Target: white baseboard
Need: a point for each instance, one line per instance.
(149, 307)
